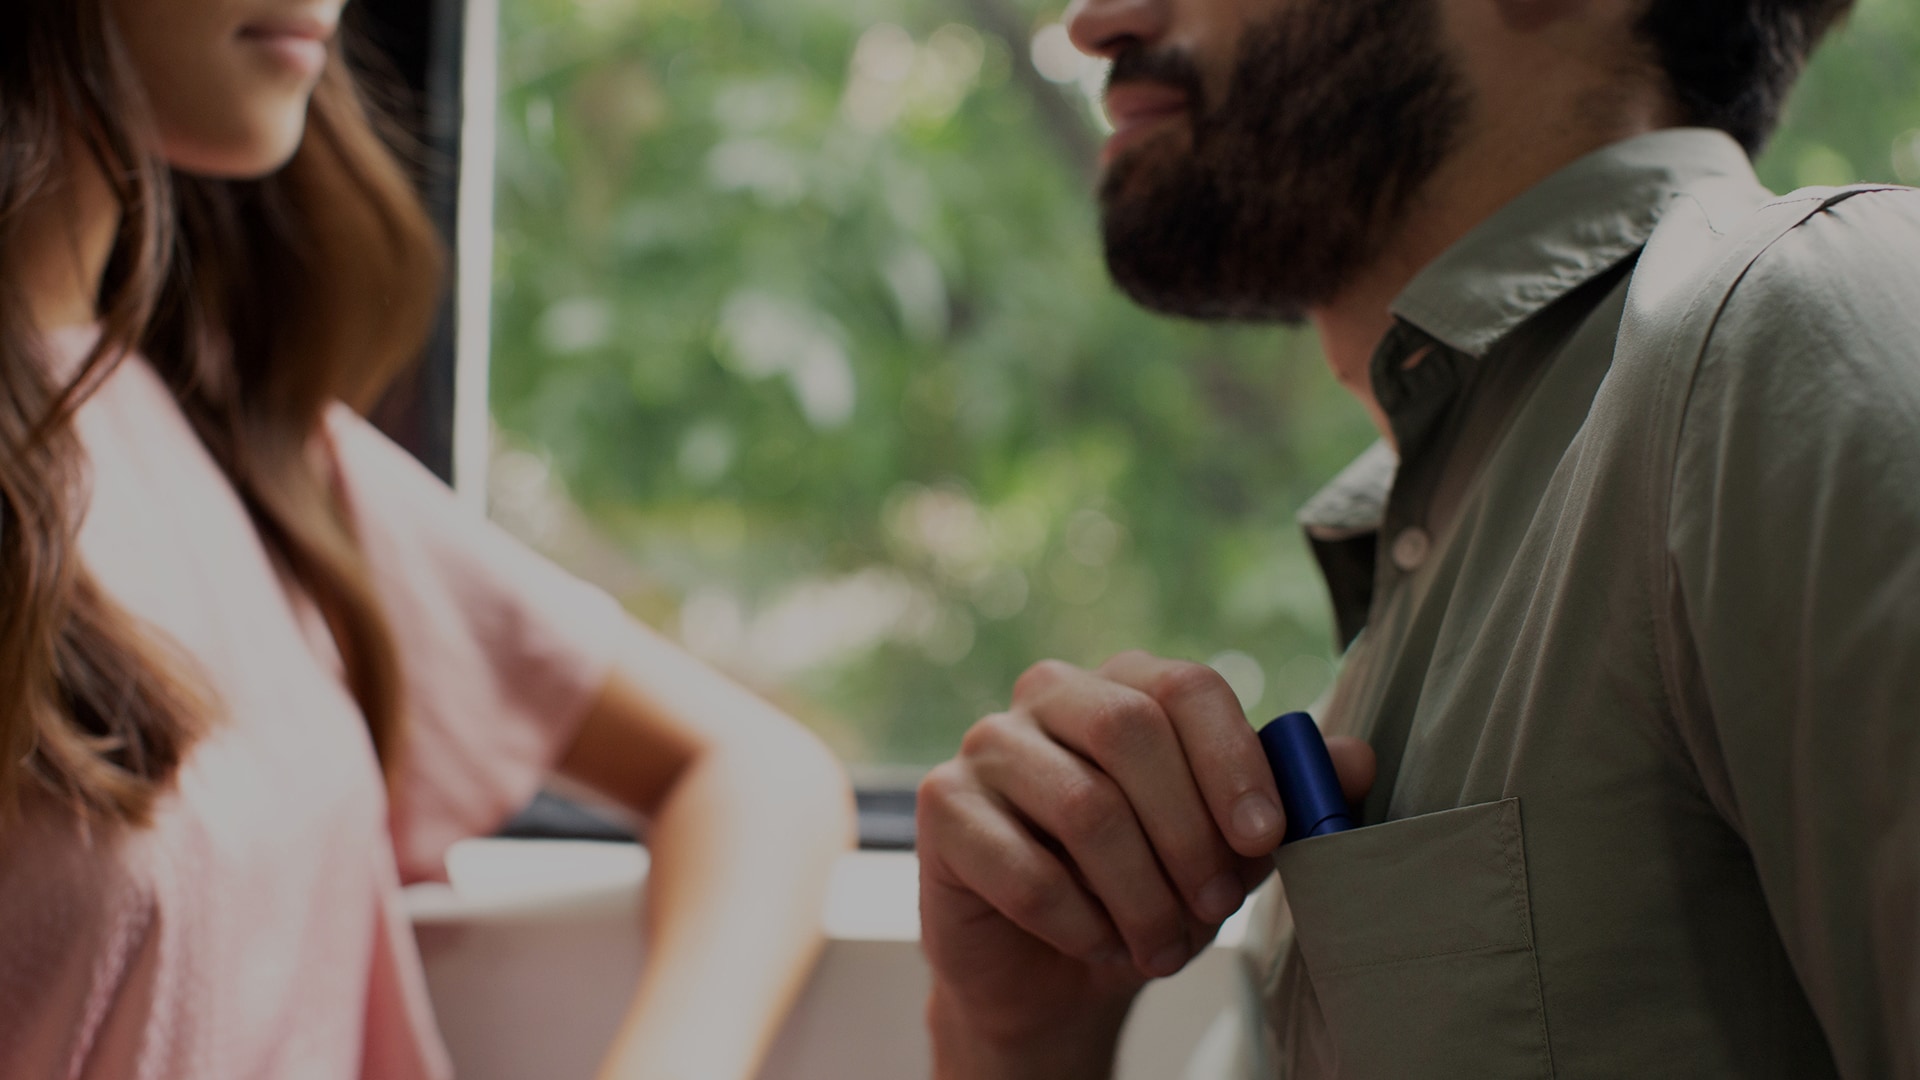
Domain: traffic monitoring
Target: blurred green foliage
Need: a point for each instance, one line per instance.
(803, 346)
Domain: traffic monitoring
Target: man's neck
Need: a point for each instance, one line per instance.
(1483, 175)
(68, 239)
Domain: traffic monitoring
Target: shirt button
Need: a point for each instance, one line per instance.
(1410, 549)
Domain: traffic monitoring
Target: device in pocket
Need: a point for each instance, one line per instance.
(1309, 788)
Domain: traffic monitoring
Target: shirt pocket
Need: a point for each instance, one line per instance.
(1417, 936)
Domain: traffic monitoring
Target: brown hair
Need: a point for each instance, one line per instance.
(259, 302)
(1731, 63)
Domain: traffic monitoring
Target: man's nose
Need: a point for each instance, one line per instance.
(1104, 27)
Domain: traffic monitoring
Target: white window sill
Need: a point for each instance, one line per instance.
(533, 949)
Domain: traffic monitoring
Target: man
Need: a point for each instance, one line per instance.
(1638, 565)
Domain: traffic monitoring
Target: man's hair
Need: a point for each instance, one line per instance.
(1731, 63)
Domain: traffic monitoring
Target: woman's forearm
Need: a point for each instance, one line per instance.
(742, 848)
(747, 812)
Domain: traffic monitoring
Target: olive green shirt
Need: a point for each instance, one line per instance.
(1641, 650)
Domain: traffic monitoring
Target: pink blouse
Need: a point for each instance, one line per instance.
(256, 929)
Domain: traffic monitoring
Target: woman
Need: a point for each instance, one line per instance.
(256, 669)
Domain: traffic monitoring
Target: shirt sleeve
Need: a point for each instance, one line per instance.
(1795, 548)
(502, 652)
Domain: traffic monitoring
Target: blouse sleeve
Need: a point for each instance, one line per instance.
(502, 652)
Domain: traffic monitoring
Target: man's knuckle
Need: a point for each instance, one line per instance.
(939, 788)
(1088, 810)
(1119, 724)
(1185, 681)
(1040, 678)
(1030, 895)
(985, 735)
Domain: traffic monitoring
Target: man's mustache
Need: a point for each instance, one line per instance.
(1169, 67)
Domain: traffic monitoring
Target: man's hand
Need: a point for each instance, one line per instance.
(1091, 838)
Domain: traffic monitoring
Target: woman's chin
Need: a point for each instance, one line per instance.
(249, 151)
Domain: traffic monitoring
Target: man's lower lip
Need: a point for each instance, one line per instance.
(1125, 139)
(302, 54)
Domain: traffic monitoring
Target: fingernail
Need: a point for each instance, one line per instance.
(1219, 898)
(1168, 960)
(1255, 818)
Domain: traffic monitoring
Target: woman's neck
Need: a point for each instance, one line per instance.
(68, 241)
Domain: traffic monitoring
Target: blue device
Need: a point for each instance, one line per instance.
(1309, 788)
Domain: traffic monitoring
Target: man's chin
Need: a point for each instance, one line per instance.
(1170, 256)
(1145, 166)
(1161, 282)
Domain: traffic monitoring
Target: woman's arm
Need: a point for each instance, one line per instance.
(747, 812)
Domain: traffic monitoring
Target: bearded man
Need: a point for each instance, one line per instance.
(1630, 589)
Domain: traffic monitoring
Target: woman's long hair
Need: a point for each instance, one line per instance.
(259, 302)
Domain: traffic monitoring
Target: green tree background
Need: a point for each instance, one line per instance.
(803, 347)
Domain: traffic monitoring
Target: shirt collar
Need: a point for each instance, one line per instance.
(1355, 502)
(1564, 232)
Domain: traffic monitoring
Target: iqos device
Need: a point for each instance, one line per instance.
(1309, 788)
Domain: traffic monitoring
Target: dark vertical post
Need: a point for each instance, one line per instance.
(421, 43)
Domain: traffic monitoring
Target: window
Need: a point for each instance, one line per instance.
(802, 347)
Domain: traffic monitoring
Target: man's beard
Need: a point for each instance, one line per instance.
(1338, 113)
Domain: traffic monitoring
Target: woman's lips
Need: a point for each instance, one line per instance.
(298, 42)
(1138, 110)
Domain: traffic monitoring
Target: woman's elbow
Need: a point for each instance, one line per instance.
(802, 781)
